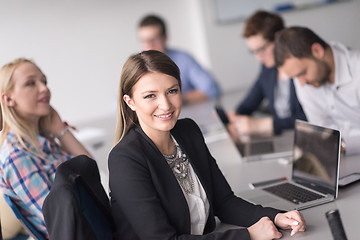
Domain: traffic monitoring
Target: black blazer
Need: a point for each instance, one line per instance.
(264, 89)
(147, 201)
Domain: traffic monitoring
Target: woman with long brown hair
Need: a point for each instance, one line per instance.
(164, 183)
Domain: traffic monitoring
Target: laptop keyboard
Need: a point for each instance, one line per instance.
(293, 193)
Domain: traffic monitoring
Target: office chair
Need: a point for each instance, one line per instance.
(29, 227)
(77, 206)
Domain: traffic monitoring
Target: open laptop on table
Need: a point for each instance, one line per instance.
(315, 172)
(260, 148)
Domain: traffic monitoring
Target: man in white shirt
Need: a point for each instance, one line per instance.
(327, 81)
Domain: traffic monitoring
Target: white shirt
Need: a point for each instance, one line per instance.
(282, 98)
(337, 105)
(198, 205)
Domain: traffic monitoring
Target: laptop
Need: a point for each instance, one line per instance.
(315, 171)
(261, 147)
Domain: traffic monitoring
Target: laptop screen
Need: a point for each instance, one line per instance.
(316, 157)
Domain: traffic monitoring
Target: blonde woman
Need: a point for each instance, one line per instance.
(164, 182)
(29, 152)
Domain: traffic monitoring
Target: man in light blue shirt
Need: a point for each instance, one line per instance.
(197, 84)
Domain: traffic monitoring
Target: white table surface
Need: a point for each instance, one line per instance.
(239, 173)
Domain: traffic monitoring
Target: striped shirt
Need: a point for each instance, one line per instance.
(26, 177)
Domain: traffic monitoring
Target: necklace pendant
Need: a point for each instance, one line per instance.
(179, 168)
(183, 175)
(179, 163)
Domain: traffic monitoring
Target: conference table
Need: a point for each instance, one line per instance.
(240, 173)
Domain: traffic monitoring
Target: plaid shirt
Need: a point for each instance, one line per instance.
(27, 177)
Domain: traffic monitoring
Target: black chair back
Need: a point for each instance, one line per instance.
(77, 206)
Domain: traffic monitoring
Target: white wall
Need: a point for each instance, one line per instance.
(81, 45)
(236, 68)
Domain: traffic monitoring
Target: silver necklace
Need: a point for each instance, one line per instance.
(179, 164)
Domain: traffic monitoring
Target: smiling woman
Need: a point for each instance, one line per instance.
(29, 153)
(156, 99)
(164, 183)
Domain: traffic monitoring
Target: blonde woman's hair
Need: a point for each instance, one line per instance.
(22, 129)
(135, 67)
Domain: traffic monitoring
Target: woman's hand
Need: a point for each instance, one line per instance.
(68, 142)
(264, 229)
(56, 124)
(291, 220)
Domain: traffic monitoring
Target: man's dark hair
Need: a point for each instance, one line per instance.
(297, 42)
(153, 20)
(264, 23)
